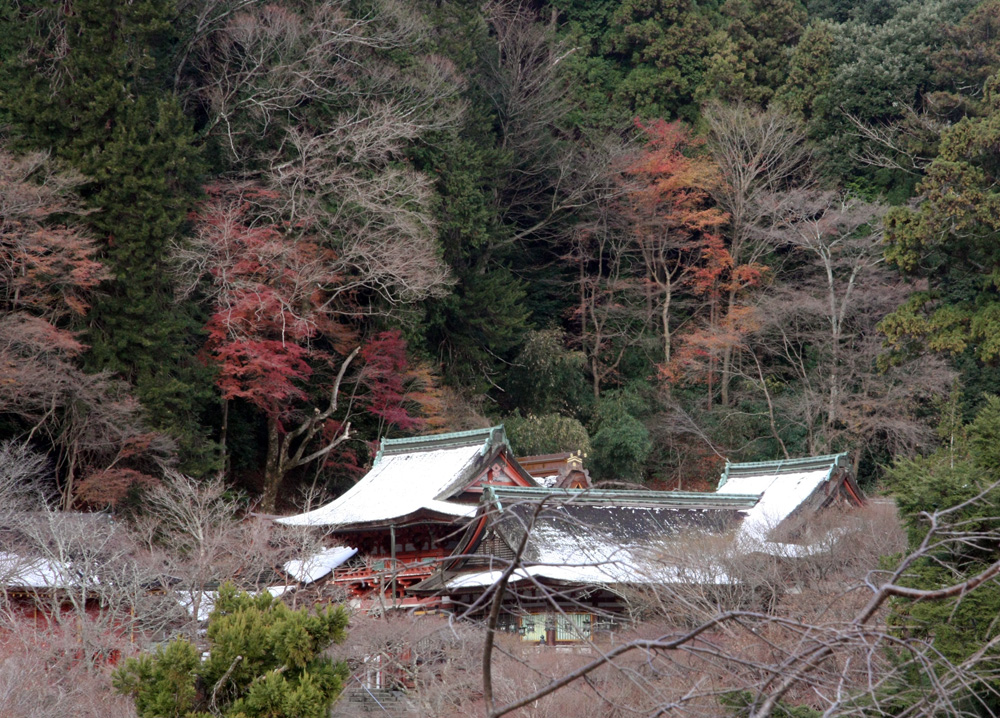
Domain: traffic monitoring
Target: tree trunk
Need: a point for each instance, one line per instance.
(831, 415)
(665, 319)
(727, 357)
(223, 435)
(273, 468)
(713, 311)
(831, 409)
(68, 487)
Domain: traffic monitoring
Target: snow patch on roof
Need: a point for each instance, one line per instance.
(315, 567)
(22, 572)
(206, 603)
(626, 570)
(780, 494)
(397, 486)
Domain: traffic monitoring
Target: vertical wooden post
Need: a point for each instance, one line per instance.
(392, 555)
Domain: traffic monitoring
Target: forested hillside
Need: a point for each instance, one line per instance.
(253, 237)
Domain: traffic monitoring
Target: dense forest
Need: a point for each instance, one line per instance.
(253, 238)
(241, 241)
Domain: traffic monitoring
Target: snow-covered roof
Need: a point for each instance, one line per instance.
(616, 537)
(206, 603)
(563, 553)
(620, 573)
(594, 537)
(593, 559)
(409, 476)
(315, 567)
(783, 486)
(34, 572)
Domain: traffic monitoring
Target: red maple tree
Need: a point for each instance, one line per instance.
(675, 229)
(280, 336)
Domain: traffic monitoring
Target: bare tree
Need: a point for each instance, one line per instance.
(47, 271)
(612, 312)
(40, 677)
(25, 479)
(551, 178)
(261, 68)
(413, 665)
(85, 579)
(901, 145)
(91, 421)
(196, 538)
(382, 230)
(829, 650)
(263, 72)
(844, 235)
(818, 338)
(759, 153)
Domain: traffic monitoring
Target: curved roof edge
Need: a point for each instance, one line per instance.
(489, 437)
(782, 466)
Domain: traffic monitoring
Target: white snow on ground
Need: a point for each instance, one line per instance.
(318, 565)
(398, 485)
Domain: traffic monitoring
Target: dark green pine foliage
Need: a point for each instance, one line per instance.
(968, 466)
(750, 54)
(809, 70)
(620, 442)
(642, 58)
(144, 189)
(264, 661)
(950, 241)
(480, 325)
(878, 68)
(90, 87)
(484, 318)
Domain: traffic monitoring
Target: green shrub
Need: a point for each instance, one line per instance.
(264, 659)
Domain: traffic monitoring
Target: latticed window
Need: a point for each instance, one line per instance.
(533, 627)
(509, 623)
(573, 627)
(492, 547)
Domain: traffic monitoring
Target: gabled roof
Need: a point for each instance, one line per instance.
(314, 567)
(783, 487)
(763, 473)
(412, 476)
(585, 537)
(585, 532)
(602, 537)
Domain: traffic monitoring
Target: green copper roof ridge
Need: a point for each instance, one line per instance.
(663, 498)
(793, 462)
(444, 436)
(489, 437)
(780, 464)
